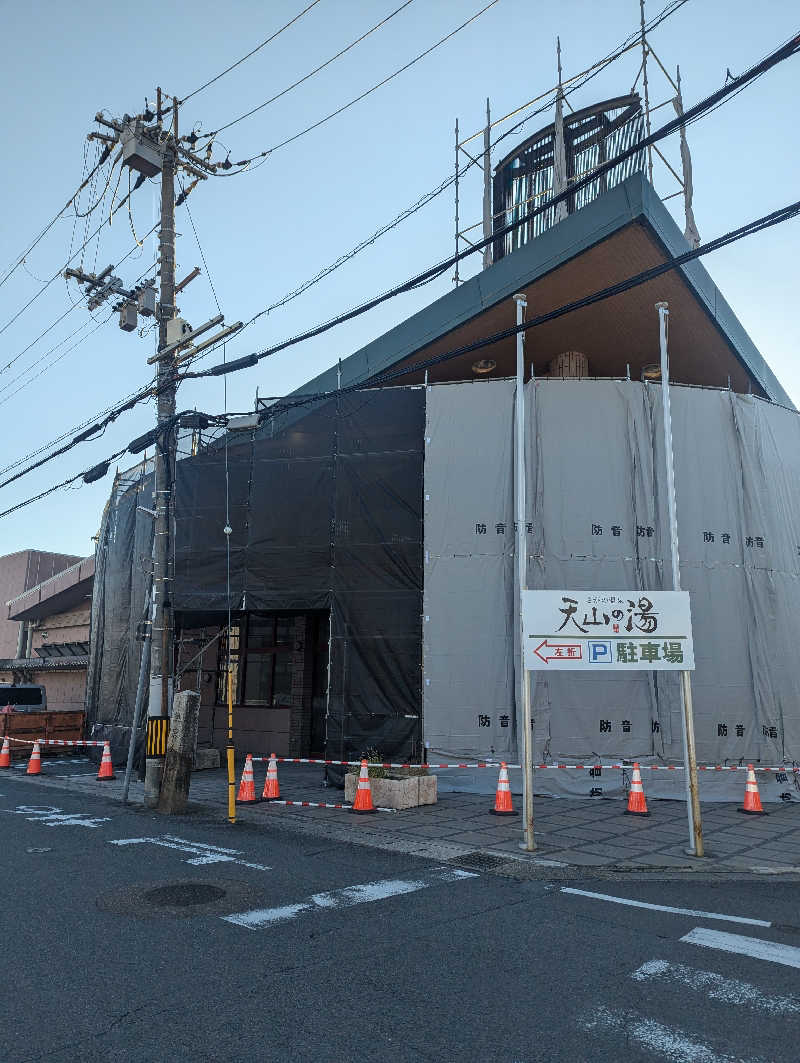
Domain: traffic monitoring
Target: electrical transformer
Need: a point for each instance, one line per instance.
(138, 150)
(128, 317)
(146, 301)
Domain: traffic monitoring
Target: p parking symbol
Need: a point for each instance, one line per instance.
(600, 652)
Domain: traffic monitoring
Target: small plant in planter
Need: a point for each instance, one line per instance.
(375, 769)
(393, 787)
(374, 761)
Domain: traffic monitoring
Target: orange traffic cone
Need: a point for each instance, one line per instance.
(502, 800)
(247, 788)
(106, 767)
(5, 754)
(272, 790)
(363, 802)
(35, 763)
(637, 806)
(752, 800)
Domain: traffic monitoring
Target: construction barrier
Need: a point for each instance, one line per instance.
(536, 767)
(247, 789)
(752, 799)
(637, 805)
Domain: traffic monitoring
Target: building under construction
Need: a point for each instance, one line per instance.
(365, 595)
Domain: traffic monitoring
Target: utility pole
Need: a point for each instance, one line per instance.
(145, 146)
(161, 678)
(529, 845)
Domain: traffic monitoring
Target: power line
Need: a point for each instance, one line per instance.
(310, 74)
(690, 115)
(57, 274)
(200, 247)
(579, 81)
(21, 258)
(46, 354)
(776, 217)
(55, 487)
(258, 48)
(315, 125)
(72, 305)
(120, 404)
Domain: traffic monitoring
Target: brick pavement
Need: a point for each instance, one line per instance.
(581, 832)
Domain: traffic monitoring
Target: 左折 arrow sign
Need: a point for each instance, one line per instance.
(569, 651)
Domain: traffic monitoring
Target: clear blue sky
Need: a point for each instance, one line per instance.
(267, 231)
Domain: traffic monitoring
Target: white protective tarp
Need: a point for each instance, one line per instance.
(597, 512)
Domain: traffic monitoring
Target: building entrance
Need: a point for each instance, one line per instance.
(279, 664)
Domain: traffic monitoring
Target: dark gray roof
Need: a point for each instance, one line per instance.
(634, 200)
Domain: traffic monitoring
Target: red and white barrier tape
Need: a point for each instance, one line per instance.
(321, 804)
(54, 741)
(537, 767)
(70, 742)
(374, 764)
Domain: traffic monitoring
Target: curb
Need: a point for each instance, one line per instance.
(422, 848)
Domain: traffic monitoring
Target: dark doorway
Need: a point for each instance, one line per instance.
(280, 683)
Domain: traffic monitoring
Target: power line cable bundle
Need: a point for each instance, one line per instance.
(245, 163)
(692, 114)
(776, 217)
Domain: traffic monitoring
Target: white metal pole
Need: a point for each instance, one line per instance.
(522, 578)
(687, 720)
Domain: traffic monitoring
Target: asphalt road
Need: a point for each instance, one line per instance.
(129, 936)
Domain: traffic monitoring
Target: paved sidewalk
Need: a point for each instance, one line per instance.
(586, 833)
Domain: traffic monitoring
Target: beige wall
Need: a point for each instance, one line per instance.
(19, 572)
(63, 627)
(65, 689)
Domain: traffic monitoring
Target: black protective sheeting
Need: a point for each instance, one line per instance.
(122, 570)
(325, 510)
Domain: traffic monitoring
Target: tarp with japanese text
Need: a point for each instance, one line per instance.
(596, 518)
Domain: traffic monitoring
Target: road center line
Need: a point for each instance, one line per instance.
(772, 951)
(347, 897)
(724, 990)
(694, 913)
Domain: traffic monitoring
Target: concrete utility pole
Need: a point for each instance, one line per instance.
(146, 147)
(161, 678)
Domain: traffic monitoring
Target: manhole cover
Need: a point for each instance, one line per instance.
(184, 894)
(479, 861)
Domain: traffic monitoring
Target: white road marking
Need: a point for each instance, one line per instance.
(200, 853)
(670, 1044)
(772, 951)
(695, 914)
(725, 990)
(347, 897)
(51, 816)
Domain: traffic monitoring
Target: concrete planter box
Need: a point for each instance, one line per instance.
(396, 792)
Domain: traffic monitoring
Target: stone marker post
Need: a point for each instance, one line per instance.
(181, 743)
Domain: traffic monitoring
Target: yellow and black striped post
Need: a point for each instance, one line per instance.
(231, 769)
(157, 731)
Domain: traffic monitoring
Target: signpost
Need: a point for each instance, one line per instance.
(614, 631)
(607, 630)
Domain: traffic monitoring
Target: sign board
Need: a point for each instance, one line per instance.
(607, 630)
